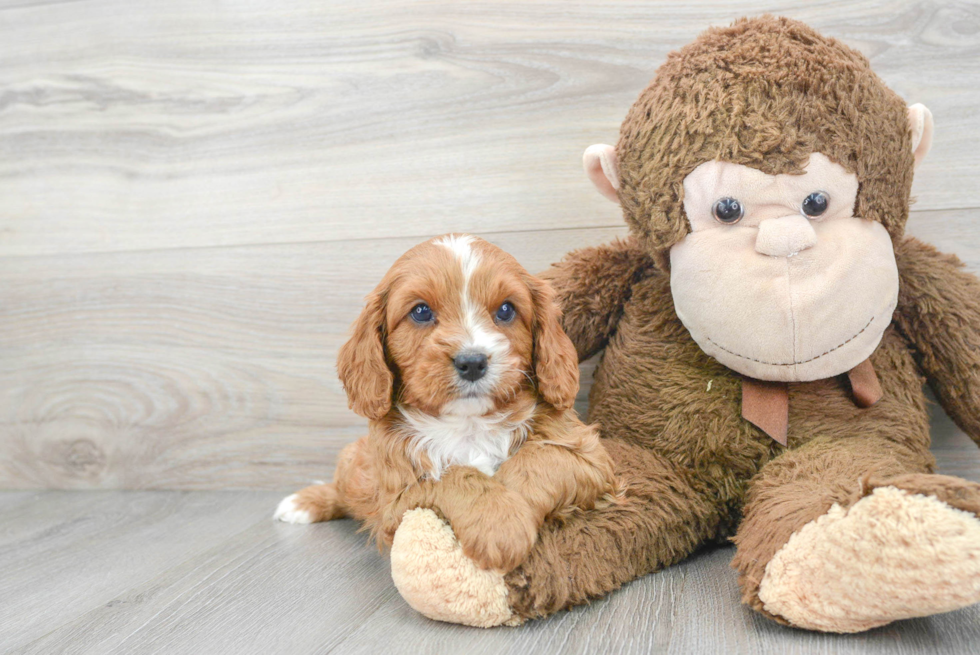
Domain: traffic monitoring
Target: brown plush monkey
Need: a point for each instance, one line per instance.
(767, 331)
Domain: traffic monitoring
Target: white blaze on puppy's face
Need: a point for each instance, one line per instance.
(778, 280)
(479, 336)
(459, 282)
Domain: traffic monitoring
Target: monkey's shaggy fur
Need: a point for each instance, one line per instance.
(766, 93)
(846, 527)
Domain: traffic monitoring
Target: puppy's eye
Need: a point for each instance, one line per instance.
(505, 313)
(421, 313)
(728, 211)
(815, 204)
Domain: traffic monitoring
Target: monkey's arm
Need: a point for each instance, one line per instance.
(592, 285)
(939, 312)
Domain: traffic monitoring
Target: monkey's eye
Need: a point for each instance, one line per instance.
(421, 313)
(815, 204)
(505, 313)
(728, 211)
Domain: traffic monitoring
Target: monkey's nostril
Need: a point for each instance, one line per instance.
(470, 366)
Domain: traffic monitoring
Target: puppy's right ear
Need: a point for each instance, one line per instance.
(361, 363)
(555, 358)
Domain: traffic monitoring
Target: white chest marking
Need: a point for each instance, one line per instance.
(483, 442)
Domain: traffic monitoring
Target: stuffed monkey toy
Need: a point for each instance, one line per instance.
(767, 329)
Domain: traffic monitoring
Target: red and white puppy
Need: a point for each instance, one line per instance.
(461, 365)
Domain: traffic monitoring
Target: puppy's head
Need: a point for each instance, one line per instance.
(457, 326)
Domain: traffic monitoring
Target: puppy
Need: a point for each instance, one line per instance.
(468, 380)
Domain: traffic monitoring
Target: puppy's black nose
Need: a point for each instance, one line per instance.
(471, 366)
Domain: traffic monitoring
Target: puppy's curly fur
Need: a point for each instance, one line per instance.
(496, 456)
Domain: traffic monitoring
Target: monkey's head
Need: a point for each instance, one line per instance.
(768, 169)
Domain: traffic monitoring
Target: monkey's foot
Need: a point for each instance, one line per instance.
(892, 555)
(433, 575)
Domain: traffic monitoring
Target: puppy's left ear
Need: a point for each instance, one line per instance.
(555, 359)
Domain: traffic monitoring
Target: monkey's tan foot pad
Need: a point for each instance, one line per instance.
(892, 555)
(433, 575)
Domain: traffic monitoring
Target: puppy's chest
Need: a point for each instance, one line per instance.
(483, 443)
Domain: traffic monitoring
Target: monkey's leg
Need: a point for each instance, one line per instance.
(660, 521)
(849, 534)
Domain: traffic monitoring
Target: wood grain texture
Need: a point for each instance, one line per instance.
(72, 553)
(184, 124)
(196, 197)
(271, 589)
(192, 368)
(213, 368)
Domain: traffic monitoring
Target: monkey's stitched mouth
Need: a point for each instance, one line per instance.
(805, 361)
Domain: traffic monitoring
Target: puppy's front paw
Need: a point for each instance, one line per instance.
(500, 535)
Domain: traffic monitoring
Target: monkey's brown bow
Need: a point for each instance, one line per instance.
(766, 404)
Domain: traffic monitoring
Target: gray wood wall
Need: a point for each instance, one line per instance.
(195, 196)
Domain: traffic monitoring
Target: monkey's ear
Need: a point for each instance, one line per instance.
(603, 169)
(362, 366)
(920, 120)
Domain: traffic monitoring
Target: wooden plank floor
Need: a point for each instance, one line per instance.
(209, 572)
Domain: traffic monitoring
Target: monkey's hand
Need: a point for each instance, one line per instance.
(592, 285)
(939, 312)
